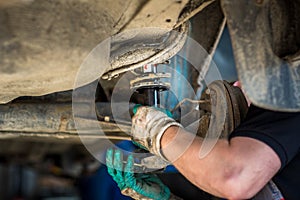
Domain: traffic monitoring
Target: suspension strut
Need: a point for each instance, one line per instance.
(150, 83)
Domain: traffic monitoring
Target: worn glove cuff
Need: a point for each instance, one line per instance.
(156, 147)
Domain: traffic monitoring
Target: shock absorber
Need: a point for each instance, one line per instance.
(150, 83)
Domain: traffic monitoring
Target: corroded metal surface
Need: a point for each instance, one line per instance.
(192, 8)
(136, 48)
(227, 107)
(158, 13)
(133, 49)
(266, 43)
(53, 122)
(43, 43)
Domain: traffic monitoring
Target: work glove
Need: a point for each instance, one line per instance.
(148, 126)
(136, 185)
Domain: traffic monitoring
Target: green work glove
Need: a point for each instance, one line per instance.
(135, 185)
(148, 126)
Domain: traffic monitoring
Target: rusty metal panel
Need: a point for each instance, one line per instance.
(53, 122)
(43, 43)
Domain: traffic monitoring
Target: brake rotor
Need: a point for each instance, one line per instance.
(226, 108)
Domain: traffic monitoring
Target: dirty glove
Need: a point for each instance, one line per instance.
(136, 185)
(148, 126)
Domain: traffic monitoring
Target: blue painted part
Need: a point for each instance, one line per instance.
(100, 186)
(224, 58)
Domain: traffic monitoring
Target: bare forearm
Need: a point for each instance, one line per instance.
(183, 149)
(229, 166)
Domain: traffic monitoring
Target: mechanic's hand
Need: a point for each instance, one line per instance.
(137, 186)
(148, 126)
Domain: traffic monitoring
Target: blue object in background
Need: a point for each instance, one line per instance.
(224, 58)
(101, 186)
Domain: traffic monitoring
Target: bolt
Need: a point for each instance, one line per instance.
(106, 118)
(207, 91)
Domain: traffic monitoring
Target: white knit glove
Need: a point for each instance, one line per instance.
(148, 126)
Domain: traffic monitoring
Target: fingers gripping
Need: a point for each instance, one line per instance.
(136, 185)
(114, 162)
(118, 164)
